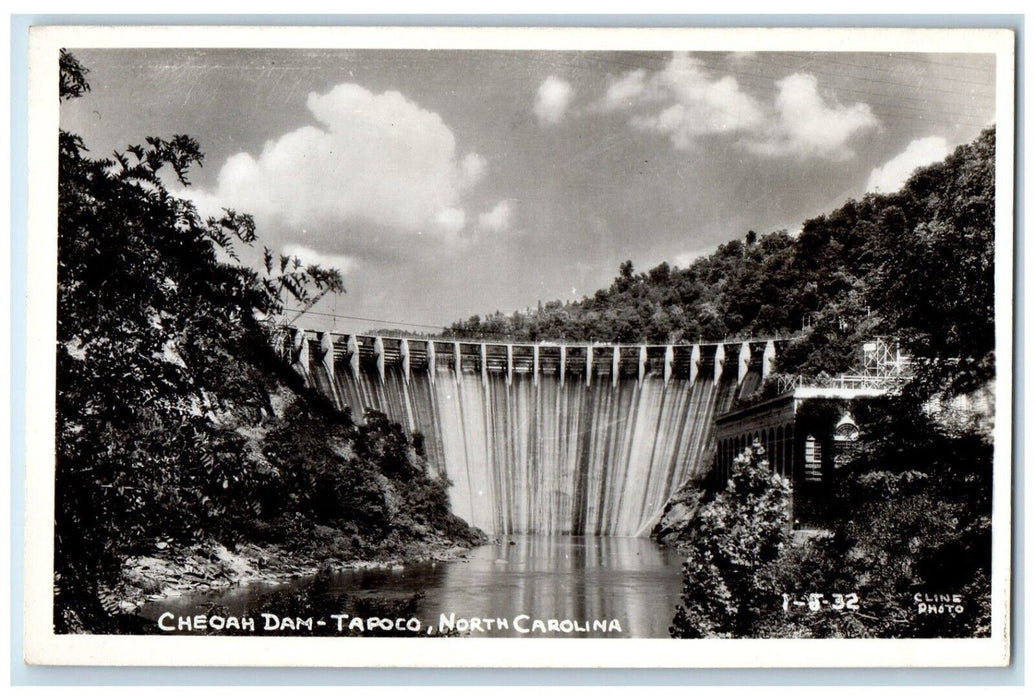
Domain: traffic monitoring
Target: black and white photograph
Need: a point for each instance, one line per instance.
(497, 342)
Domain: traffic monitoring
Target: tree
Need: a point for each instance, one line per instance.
(72, 76)
(162, 351)
(730, 585)
(917, 501)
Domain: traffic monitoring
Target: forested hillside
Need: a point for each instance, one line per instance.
(177, 423)
(916, 264)
(912, 508)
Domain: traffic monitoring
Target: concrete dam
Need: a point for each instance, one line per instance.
(544, 438)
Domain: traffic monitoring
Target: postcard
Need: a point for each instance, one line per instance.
(519, 347)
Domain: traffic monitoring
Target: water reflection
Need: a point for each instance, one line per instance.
(631, 580)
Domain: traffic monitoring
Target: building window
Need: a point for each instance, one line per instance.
(846, 440)
(813, 459)
(788, 445)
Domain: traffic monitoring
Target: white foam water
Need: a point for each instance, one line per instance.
(543, 456)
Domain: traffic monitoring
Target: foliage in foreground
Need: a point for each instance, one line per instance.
(730, 573)
(913, 517)
(176, 421)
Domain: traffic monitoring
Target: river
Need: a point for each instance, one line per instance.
(634, 581)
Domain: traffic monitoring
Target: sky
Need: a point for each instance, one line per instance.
(444, 184)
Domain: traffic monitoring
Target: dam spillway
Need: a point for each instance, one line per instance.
(544, 438)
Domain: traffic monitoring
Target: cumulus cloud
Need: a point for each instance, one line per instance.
(376, 159)
(698, 105)
(685, 101)
(808, 125)
(451, 219)
(342, 263)
(552, 100)
(892, 175)
(496, 219)
(625, 91)
(472, 169)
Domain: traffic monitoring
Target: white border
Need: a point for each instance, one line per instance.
(42, 646)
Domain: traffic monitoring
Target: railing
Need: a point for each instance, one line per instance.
(846, 382)
(582, 360)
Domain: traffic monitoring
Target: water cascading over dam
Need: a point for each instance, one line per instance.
(544, 438)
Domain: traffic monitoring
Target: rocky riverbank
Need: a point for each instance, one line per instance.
(674, 529)
(172, 571)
